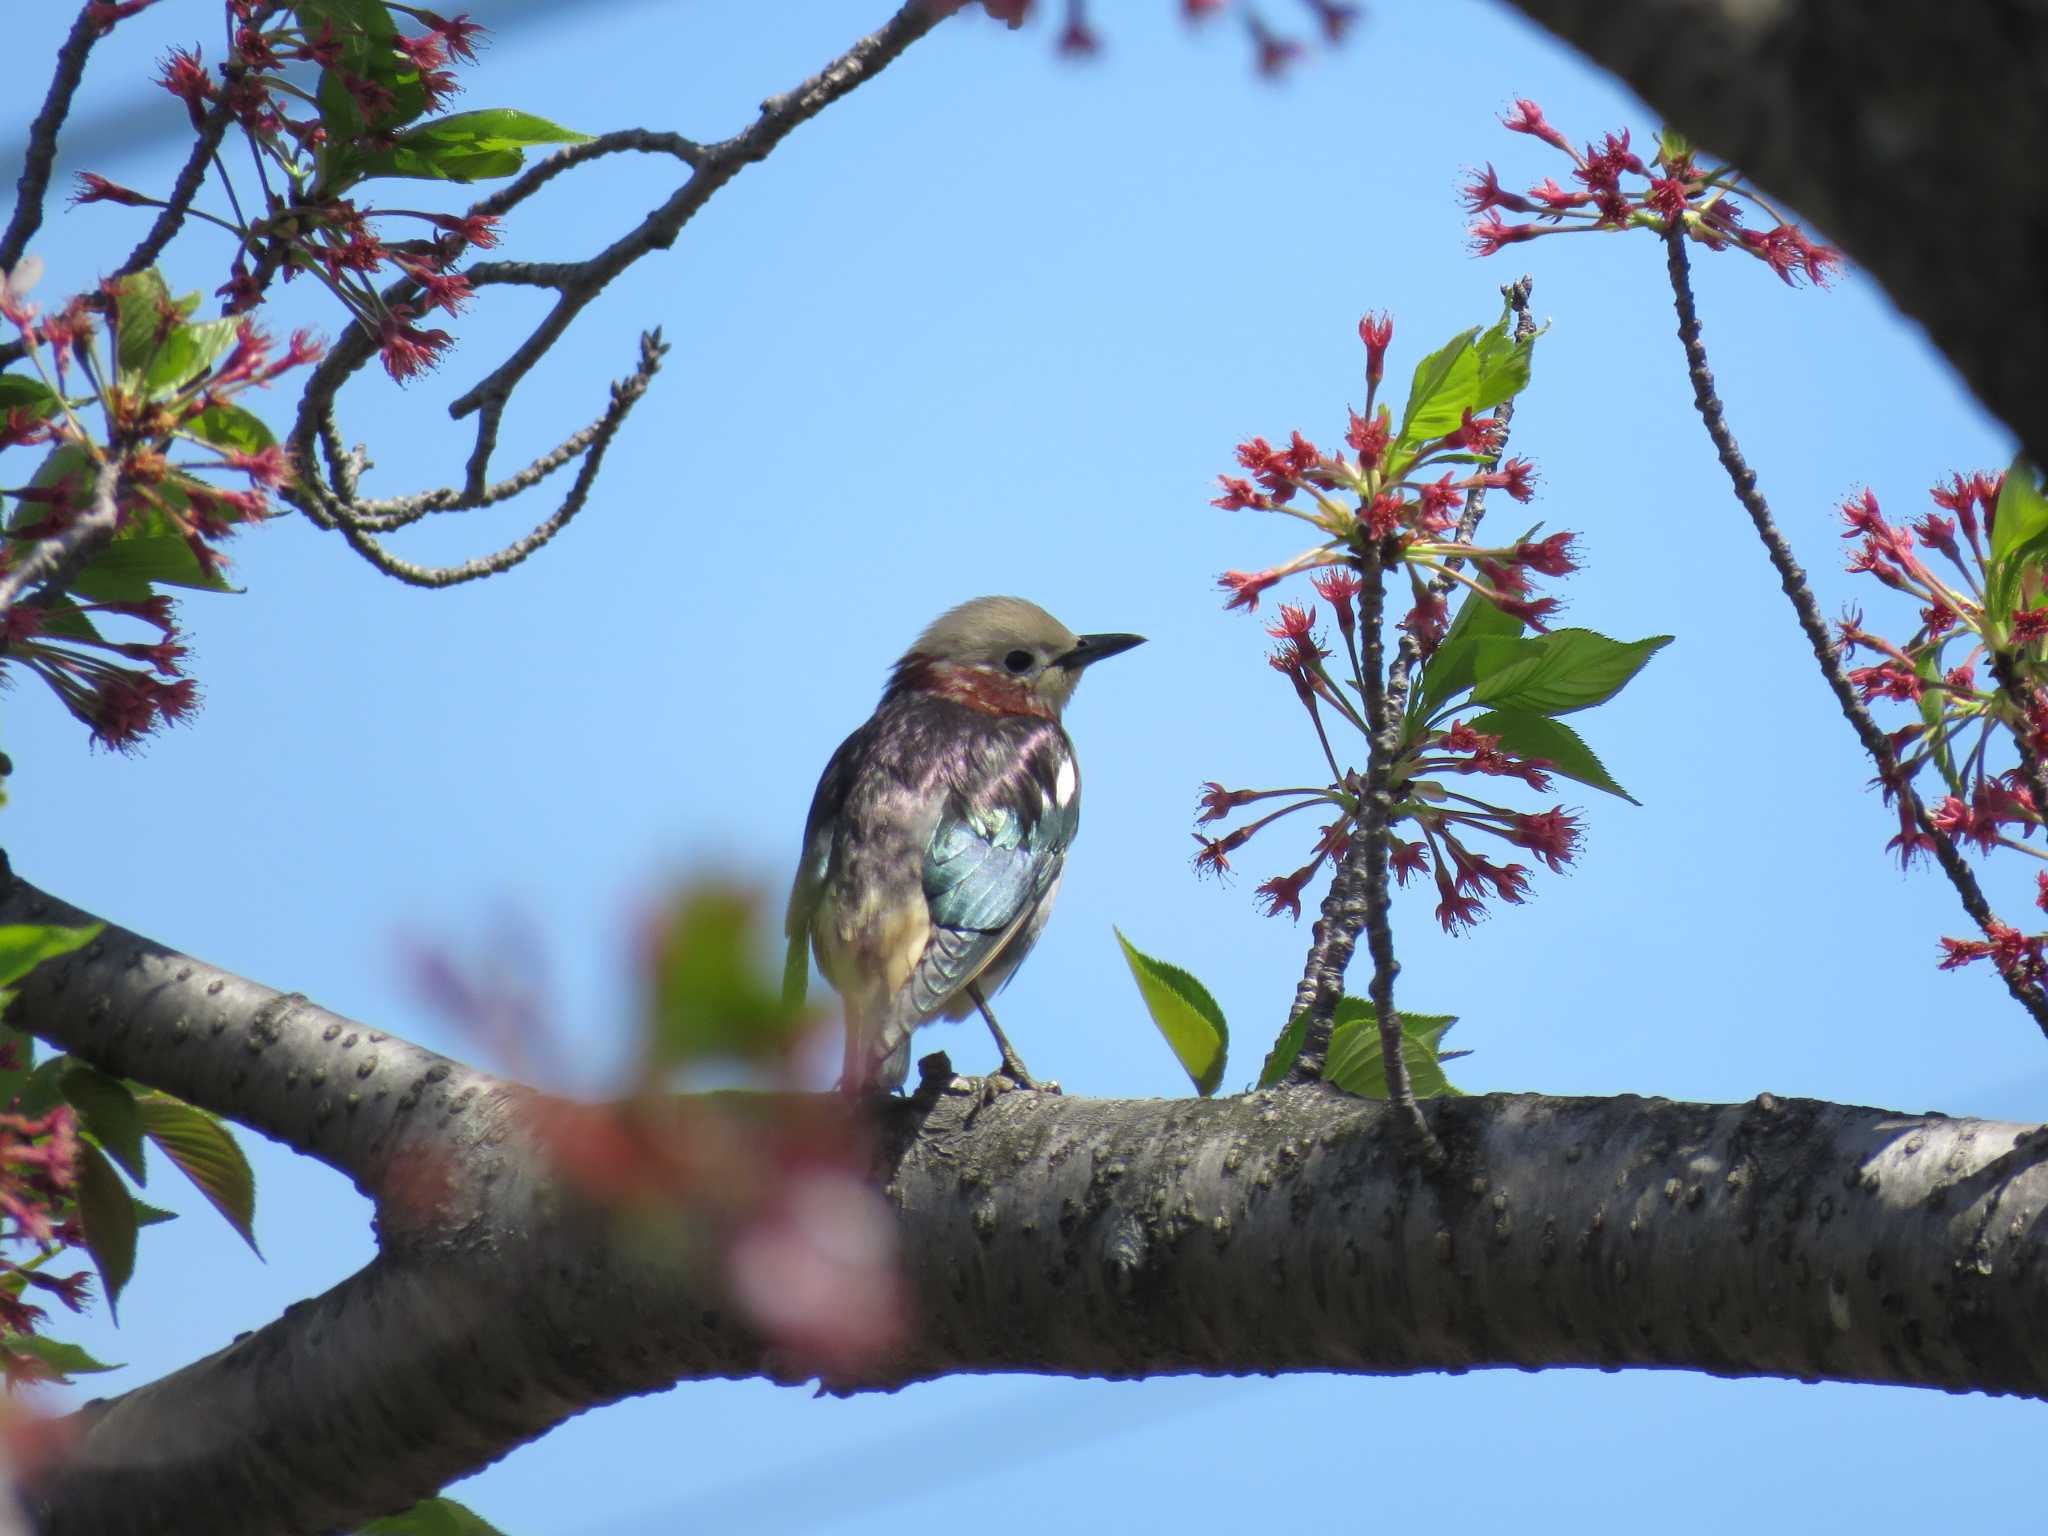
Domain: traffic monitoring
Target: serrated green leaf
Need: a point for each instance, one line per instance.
(1286, 1050)
(1355, 1063)
(107, 1213)
(108, 1111)
(1437, 393)
(60, 1361)
(1451, 670)
(207, 1154)
(1504, 362)
(1185, 1012)
(1557, 744)
(1358, 1065)
(431, 1517)
(24, 946)
(147, 1215)
(227, 426)
(1564, 671)
(467, 146)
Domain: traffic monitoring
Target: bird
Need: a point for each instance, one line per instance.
(939, 831)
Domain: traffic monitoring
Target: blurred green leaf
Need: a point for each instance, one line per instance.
(61, 1361)
(107, 1109)
(1563, 671)
(1450, 670)
(188, 351)
(1533, 735)
(366, 34)
(226, 425)
(19, 392)
(467, 146)
(144, 316)
(206, 1153)
(711, 995)
(1932, 697)
(1504, 363)
(2019, 538)
(107, 1213)
(1185, 1013)
(67, 464)
(431, 1517)
(124, 572)
(24, 946)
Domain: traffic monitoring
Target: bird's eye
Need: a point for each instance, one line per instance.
(1020, 662)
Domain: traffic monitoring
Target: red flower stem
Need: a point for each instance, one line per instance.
(1743, 479)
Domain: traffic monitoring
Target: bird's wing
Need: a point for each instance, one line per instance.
(997, 850)
(809, 885)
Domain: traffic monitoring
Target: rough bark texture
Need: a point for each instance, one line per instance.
(1282, 1231)
(1910, 133)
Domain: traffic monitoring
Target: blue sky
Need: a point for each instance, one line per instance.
(994, 324)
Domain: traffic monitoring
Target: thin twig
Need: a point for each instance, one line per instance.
(1797, 589)
(334, 504)
(171, 218)
(624, 394)
(53, 561)
(41, 158)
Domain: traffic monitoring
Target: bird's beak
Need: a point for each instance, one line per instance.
(1093, 648)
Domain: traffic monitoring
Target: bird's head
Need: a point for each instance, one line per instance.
(1003, 655)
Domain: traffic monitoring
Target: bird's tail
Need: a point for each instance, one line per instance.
(877, 1054)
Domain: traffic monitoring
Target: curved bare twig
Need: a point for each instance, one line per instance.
(331, 501)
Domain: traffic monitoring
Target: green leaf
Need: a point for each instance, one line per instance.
(205, 1153)
(108, 1110)
(1532, 735)
(467, 146)
(227, 426)
(2019, 538)
(1185, 1013)
(1563, 671)
(107, 1212)
(60, 1361)
(44, 1090)
(187, 352)
(1440, 390)
(366, 33)
(1358, 1065)
(1285, 1051)
(1452, 669)
(145, 315)
(1932, 697)
(67, 464)
(19, 392)
(147, 1215)
(710, 995)
(1503, 363)
(124, 571)
(431, 1517)
(24, 946)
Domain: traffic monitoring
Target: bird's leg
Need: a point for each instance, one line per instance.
(1013, 1064)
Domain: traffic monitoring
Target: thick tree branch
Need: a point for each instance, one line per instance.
(1910, 133)
(1280, 1231)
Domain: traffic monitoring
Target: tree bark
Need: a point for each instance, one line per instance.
(1280, 1231)
(1910, 133)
